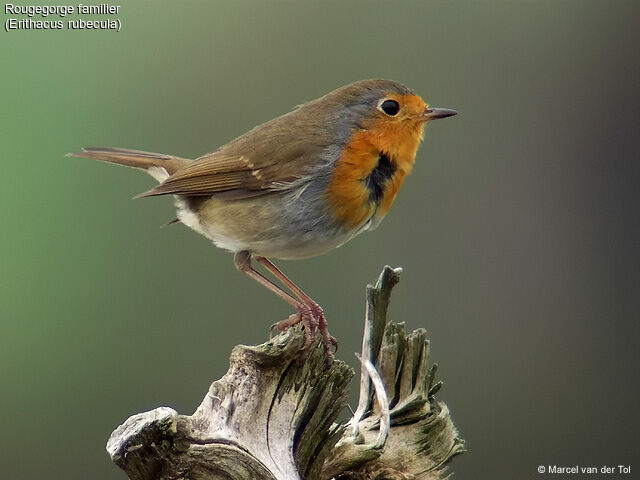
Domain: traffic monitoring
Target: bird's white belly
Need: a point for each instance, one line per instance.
(281, 247)
(261, 230)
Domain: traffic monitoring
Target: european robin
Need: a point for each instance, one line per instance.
(296, 186)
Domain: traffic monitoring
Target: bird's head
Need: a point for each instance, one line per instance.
(392, 115)
(380, 125)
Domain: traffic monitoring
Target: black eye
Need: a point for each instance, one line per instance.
(390, 107)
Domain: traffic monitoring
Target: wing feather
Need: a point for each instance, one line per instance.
(262, 160)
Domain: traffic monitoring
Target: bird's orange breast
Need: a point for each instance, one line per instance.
(370, 170)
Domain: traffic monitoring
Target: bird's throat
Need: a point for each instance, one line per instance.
(367, 177)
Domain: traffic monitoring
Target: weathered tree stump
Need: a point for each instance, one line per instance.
(271, 417)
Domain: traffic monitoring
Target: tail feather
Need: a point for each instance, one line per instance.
(153, 163)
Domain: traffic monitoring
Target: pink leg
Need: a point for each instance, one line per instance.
(304, 313)
(327, 340)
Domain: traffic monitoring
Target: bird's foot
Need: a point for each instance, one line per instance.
(320, 325)
(312, 318)
(284, 325)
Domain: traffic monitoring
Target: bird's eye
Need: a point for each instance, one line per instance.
(390, 107)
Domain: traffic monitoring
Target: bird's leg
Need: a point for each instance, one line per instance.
(242, 261)
(327, 340)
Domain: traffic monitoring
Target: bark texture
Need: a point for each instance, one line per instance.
(271, 417)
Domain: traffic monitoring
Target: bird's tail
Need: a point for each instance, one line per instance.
(157, 165)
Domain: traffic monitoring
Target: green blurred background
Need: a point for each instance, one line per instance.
(518, 230)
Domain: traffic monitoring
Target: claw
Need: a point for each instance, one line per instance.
(274, 330)
(334, 343)
(312, 317)
(283, 325)
(327, 340)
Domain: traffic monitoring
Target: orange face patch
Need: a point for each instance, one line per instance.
(395, 137)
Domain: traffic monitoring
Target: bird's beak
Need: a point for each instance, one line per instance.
(431, 113)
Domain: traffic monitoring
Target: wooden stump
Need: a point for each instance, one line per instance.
(272, 418)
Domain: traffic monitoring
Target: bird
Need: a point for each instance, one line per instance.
(296, 186)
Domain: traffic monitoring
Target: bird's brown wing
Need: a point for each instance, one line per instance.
(264, 159)
(207, 176)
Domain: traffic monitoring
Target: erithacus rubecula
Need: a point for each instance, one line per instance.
(298, 185)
